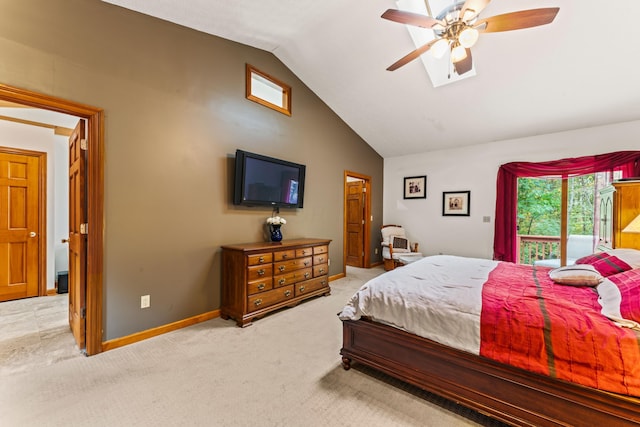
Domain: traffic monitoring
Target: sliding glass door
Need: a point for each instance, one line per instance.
(555, 217)
(538, 219)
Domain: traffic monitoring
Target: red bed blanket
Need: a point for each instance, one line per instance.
(530, 322)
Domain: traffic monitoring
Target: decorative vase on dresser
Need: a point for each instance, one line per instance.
(276, 234)
(258, 278)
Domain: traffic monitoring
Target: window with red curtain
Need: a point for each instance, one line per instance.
(504, 240)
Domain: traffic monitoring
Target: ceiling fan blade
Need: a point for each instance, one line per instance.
(411, 56)
(517, 20)
(464, 65)
(473, 6)
(411, 18)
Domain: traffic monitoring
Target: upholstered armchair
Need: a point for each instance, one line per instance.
(397, 250)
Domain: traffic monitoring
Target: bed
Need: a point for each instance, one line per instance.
(578, 329)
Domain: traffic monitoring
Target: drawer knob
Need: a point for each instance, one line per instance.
(281, 268)
(261, 272)
(324, 282)
(261, 286)
(306, 274)
(261, 259)
(321, 259)
(306, 263)
(282, 282)
(304, 252)
(302, 288)
(287, 293)
(321, 270)
(257, 302)
(285, 256)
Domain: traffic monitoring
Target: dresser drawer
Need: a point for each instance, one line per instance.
(258, 272)
(319, 270)
(293, 264)
(259, 259)
(304, 262)
(292, 277)
(259, 286)
(268, 298)
(322, 249)
(320, 259)
(285, 266)
(284, 279)
(311, 285)
(284, 255)
(303, 252)
(303, 274)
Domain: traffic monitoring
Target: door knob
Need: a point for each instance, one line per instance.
(32, 234)
(65, 240)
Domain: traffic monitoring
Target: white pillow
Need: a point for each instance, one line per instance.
(576, 275)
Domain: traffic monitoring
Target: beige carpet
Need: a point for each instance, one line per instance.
(284, 370)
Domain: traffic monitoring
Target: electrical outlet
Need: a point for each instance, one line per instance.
(145, 301)
(375, 251)
(486, 219)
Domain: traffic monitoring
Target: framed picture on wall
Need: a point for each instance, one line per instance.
(415, 187)
(456, 203)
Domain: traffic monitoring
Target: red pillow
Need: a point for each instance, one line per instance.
(606, 264)
(629, 285)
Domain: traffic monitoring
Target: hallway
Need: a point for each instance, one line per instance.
(35, 332)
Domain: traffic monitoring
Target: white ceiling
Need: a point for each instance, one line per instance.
(37, 117)
(579, 71)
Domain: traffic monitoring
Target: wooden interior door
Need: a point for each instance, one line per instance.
(19, 226)
(77, 234)
(355, 223)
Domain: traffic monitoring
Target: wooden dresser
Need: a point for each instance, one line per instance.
(619, 205)
(258, 278)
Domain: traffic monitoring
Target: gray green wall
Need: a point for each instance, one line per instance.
(175, 112)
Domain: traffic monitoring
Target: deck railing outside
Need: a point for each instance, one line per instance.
(534, 248)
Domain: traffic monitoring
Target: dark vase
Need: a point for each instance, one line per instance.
(276, 234)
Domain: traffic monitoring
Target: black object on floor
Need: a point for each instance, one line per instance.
(63, 282)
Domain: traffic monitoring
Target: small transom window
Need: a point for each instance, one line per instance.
(268, 91)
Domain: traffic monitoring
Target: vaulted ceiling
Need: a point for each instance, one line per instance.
(579, 71)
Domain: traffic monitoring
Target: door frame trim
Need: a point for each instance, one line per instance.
(95, 199)
(367, 222)
(42, 211)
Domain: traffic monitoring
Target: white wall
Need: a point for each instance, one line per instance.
(34, 138)
(475, 168)
(60, 197)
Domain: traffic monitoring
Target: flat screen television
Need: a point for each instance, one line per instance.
(267, 181)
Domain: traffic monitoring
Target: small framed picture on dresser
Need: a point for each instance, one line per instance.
(415, 187)
(456, 203)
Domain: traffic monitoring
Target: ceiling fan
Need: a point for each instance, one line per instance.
(457, 29)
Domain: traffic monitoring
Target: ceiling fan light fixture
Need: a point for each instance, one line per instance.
(458, 53)
(468, 37)
(439, 48)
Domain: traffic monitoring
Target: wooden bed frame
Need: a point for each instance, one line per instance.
(509, 394)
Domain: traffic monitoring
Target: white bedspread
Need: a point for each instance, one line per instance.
(438, 297)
